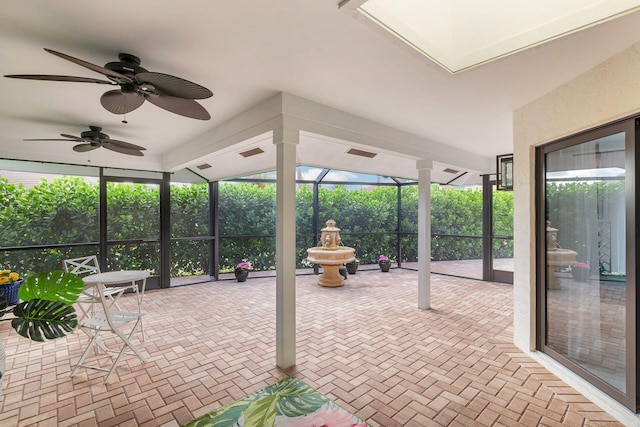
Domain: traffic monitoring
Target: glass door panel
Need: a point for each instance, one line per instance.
(586, 256)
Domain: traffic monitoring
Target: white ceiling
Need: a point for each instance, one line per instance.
(461, 34)
(247, 52)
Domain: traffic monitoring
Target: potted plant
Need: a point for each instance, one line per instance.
(352, 266)
(46, 310)
(10, 282)
(242, 271)
(580, 271)
(384, 263)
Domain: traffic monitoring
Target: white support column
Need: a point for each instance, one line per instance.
(286, 248)
(424, 233)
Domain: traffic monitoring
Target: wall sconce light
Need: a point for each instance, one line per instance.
(504, 164)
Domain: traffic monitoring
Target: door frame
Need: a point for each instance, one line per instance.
(631, 127)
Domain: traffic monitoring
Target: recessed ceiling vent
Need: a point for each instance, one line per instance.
(449, 170)
(361, 153)
(252, 152)
(204, 166)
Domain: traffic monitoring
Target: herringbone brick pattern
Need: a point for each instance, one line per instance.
(365, 345)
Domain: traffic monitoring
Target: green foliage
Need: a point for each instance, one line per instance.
(39, 319)
(65, 210)
(52, 286)
(133, 211)
(189, 210)
(367, 218)
(579, 209)
(456, 223)
(47, 309)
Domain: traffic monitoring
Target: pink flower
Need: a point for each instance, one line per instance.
(580, 265)
(243, 265)
(383, 258)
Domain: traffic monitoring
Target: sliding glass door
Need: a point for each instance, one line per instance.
(586, 228)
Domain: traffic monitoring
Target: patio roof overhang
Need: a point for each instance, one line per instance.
(325, 138)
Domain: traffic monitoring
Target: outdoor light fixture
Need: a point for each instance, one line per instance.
(505, 171)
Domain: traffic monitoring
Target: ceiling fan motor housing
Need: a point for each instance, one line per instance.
(129, 65)
(94, 134)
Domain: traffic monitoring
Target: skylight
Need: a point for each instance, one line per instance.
(461, 34)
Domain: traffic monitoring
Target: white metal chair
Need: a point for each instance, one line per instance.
(101, 320)
(85, 266)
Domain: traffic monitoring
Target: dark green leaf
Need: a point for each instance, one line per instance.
(52, 286)
(39, 319)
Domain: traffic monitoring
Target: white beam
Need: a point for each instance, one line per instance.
(286, 142)
(424, 233)
(351, 4)
(310, 116)
(257, 120)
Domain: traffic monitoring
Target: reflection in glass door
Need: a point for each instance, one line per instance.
(586, 300)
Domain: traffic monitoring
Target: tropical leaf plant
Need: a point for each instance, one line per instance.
(39, 319)
(46, 311)
(52, 286)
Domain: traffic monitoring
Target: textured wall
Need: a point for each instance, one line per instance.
(608, 92)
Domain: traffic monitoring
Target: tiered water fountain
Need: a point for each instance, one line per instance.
(331, 256)
(556, 257)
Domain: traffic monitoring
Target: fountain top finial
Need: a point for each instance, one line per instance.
(552, 237)
(330, 235)
(330, 224)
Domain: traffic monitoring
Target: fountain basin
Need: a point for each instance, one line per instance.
(558, 257)
(331, 260)
(331, 256)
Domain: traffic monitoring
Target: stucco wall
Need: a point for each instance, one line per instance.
(608, 92)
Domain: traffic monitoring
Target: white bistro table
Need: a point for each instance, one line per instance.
(121, 277)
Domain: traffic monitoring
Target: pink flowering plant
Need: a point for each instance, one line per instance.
(244, 265)
(580, 266)
(383, 258)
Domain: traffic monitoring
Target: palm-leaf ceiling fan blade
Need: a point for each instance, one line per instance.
(107, 72)
(59, 139)
(73, 138)
(119, 102)
(123, 144)
(81, 148)
(59, 78)
(184, 107)
(166, 84)
(123, 150)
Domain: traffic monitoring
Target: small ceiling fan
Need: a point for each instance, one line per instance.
(136, 85)
(94, 138)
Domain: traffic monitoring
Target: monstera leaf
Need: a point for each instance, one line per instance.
(52, 286)
(46, 311)
(38, 319)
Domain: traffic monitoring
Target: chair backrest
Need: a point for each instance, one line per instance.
(82, 266)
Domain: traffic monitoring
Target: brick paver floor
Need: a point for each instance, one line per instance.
(366, 345)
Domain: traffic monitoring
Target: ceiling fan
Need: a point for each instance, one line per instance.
(136, 85)
(94, 138)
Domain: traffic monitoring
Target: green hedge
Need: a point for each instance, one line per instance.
(65, 210)
(585, 214)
